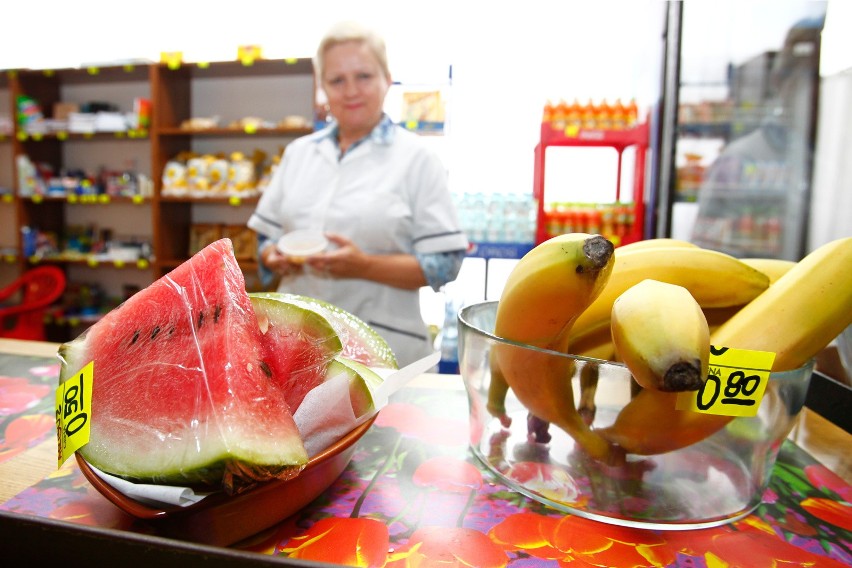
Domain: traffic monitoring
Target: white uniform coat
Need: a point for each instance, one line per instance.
(386, 195)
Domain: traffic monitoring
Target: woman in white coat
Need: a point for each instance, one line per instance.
(376, 192)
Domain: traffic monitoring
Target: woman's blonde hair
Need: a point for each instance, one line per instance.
(343, 32)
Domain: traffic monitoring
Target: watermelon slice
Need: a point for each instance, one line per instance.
(297, 346)
(180, 392)
(361, 343)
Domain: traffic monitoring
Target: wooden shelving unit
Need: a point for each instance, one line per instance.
(270, 90)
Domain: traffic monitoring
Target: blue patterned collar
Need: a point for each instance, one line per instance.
(381, 134)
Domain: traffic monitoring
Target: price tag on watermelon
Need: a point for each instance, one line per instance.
(736, 381)
(73, 411)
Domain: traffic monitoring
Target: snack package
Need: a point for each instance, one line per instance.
(241, 176)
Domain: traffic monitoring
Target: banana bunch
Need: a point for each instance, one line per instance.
(545, 292)
(808, 304)
(562, 297)
(715, 279)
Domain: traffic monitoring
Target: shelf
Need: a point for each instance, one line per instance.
(619, 139)
(233, 200)
(99, 199)
(92, 262)
(234, 132)
(62, 136)
(489, 250)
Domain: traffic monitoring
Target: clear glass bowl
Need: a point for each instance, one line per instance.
(711, 482)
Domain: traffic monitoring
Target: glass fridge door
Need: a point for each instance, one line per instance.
(745, 127)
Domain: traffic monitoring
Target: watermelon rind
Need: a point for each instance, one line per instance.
(362, 381)
(361, 342)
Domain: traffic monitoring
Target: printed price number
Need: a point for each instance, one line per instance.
(73, 413)
(735, 384)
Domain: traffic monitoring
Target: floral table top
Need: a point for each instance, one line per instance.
(414, 495)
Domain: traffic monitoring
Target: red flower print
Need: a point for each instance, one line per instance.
(448, 547)
(353, 542)
(18, 395)
(412, 421)
(824, 478)
(24, 432)
(551, 482)
(830, 511)
(756, 549)
(448, 474)
(528, 532)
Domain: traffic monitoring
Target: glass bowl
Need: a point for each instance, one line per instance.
(711, 482)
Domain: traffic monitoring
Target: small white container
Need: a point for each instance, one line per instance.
(302, 243)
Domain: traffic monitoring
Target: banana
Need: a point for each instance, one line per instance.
(774, 268)
(796, 317)
(545, 292)
(800, 313)
(713, 278)
(656, 243)
(660, 333)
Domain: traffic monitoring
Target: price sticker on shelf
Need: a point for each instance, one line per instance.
(37, 136)
(48, 72)
(10, 258)
(118, 263)
(22, 136)
(248, 54)
(37, 198)
(73, 413)
(172, 59)
(411, 125)
(62, 135)
(8, 198)
(120, 134)
(88, 135)
(104, 198)
(250, 128)
(93, 70)
(203, 64)
(142, 263)
(129, 68)
(736, 381)
(234, 200)
(71, 198)
(291, 60)
(137, 199)
(92, 261)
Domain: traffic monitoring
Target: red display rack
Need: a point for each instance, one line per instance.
(619, 140)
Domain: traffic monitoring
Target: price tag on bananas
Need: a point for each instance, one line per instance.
(73, 412)
(735, 384)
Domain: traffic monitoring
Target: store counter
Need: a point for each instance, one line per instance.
(412, 494)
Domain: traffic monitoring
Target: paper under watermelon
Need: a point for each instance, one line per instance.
(181, 393)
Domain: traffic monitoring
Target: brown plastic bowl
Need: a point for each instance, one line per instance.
(222, 520)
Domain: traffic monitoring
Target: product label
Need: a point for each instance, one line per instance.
(736, 381)
(74, 412)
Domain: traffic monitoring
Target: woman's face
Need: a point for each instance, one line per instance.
(355, 85)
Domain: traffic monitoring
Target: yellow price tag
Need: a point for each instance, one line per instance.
(72, 198)
(572, 131)
(92, 261)
(120, 134)
(234, 200)
(8, 197)
(37, 198)
(735, 384)
(104, 198)
(248, 54)
(10, 258)
(142, 263)
(203, 64)
(48, 72)
(172, 59)
(250, 128)
(411, 125)
(37, 136)
(93, 70)
(88, 135)
(291, 60)
(22, 136)
(118, 263)
(137, 199)
(62, 135)
(73, 410)
(128, 68)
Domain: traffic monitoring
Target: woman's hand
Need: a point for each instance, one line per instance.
(344, 260)
(347, 260)
(280, 263)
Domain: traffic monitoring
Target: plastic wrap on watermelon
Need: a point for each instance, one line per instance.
(188, 389)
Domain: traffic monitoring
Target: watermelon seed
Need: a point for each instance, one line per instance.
(155, 331)
(200, 319)
(135, 337)
(266, 370)
(217, 313)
